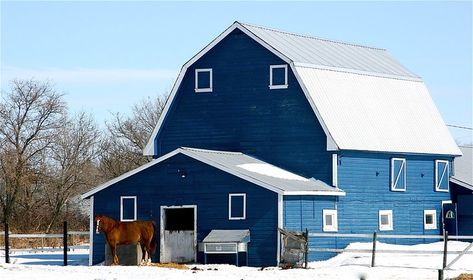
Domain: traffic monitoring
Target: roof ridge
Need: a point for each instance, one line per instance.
(210, 151)
(311, 37)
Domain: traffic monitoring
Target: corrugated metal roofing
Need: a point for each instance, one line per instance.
(328, 53)
(377, 114)
(228, 236)
(243, 166)
(463, 167)
(260, 172)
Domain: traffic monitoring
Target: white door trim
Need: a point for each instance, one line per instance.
(162, 208)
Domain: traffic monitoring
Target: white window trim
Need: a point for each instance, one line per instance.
(271, 67)
(121, 208)
(230, 206)
(209, 89)
(334, 226)
(430, 226)
(395, 180)
(389, 226)
(447, 170)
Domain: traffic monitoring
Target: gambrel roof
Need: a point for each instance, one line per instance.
(245, 167)
(363, 98)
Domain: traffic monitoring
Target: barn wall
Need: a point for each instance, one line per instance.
(204, 186)
(465, 214)
(243, 114)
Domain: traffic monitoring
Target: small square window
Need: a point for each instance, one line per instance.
(330, 222)
(385, 220)
(442, 174)
(398, 174)
(127, 208)
(237, 206)
(278, 76)
(203, 80)
(430, 219)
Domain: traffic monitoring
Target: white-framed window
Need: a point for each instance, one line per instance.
(385, 220)
(127, 208)
(278, 76)
(203, 80)
(398, 174)
(430, 219)
(442, 174)
(236, 206)
(330, 220)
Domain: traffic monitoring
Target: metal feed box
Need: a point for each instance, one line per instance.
(227, 242)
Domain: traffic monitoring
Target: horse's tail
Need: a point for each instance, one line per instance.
(154, 242)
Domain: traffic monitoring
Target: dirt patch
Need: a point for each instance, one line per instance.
(464, 276)
(170, 265)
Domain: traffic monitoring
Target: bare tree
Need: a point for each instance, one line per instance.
(70, 169)
(29, 115)
(122, 150)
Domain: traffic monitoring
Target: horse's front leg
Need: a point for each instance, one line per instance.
(113, 248)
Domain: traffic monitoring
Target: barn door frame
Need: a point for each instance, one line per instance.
(162, 224)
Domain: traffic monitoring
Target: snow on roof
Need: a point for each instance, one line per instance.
(245, 167)
(363, 98)
(372, 113)
(463, 168)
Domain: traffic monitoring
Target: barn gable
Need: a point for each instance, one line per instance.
(333, 73)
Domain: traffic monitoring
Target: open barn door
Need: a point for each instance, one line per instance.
(178, 234)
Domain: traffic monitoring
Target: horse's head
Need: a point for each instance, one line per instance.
(99, 221)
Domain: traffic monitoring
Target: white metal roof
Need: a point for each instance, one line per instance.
(245, 167)
(319, 52)
(463, 168)
(228, 236)
(386, 108)
(372, 113)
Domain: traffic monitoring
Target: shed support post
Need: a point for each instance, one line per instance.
(65, 242)
(7, 245)
(373, 253)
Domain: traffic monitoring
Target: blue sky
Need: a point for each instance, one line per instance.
(108, 55)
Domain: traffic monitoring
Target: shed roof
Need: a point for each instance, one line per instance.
(245, 167)
(463, 168)
(228, 236)
(363, 98)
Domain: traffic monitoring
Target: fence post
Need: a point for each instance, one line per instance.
(7, 244)
(445, 241)
(65, 242)
(306, 248)
(373, 253)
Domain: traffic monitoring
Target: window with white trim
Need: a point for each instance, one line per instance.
(127, 208)
(385, 220)
(330, 221)
(398, 174)
(442, 174)
(236, 206)
(203, 80)
(430, 219)
(278, 76)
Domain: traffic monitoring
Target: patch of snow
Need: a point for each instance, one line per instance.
(347, 265)
(271, 170)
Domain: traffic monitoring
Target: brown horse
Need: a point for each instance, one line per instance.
(118, 233)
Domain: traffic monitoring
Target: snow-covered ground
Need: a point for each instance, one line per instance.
(47, 265)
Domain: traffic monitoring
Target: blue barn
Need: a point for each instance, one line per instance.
(266, 129)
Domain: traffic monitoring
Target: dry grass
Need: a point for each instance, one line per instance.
(170, 265)
(464, 276)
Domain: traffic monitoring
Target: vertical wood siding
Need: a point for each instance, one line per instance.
(204, 186)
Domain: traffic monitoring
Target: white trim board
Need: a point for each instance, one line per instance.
(230, 195)
(135, 208)
(445, 173)
(187, 152)
(149, 149)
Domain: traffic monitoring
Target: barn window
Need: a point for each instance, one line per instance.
(278, 76)
(430, 219)
(385, 219)
(127, 208)
(203, 80)
(398, 174)
(237, 206)
(441, 175)
(329, 220)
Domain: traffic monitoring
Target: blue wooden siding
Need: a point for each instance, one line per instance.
(243, 114)
(465, 214)
(204, 186)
